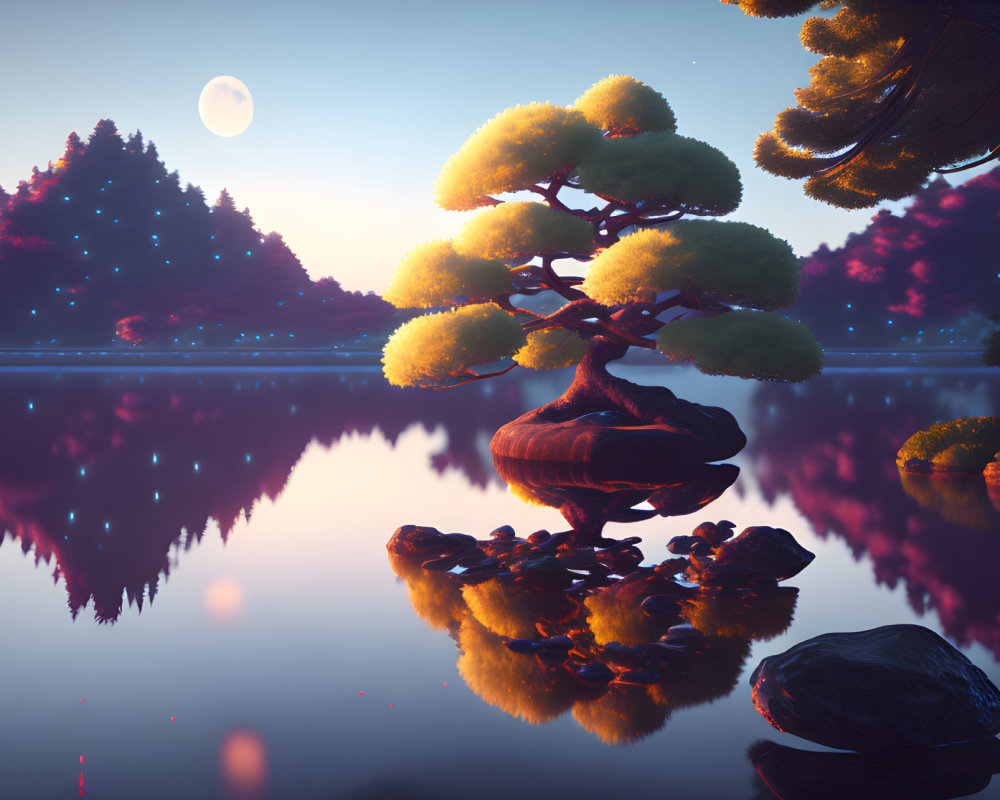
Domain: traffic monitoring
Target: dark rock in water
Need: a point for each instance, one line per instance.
(661, 604)
(682, 634)
(771, 552)
(598, 673)
(891, 687)
(934, 773)
(680, 545)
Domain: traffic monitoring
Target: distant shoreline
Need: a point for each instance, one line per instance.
(370, 355)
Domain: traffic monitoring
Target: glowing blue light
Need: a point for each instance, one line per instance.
(301, 293)
(166, 261)
(201, 327)
(248, 252)
(107, 526)
(248, 458)
(116, 269)
(158, 213)
(257, 337)
(281, 302)
(109, 180)
(66, 198)
(97, 211)
(155, 236)
(156, 497)
(291, 336)
(850, 328)
(114, 220)
(72, 515)
(888, 322)
(217, 256)
(156, 458)
(848, 305)
(176, 340)
(86, 252)
(31, 406)
(197, 467)
(211, 236)
(76, 236)
(83, 472)
(72, 302)
(33, 312)
(59, 290)
(102, 188)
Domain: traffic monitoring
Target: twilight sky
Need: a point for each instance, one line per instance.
(358, 105)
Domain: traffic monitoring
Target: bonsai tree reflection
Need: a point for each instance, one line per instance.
(843, 478)
(544, 627)
(109, 478)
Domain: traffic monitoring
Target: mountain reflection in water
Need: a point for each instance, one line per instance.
(103, 475)
(830, 444)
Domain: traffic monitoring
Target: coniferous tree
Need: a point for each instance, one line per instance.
(105, 234)
(904, 88)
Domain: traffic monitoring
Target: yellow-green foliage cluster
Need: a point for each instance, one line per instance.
(516, 149)
(622, 105)
(750, 344)
(664, 167)
(434, 349)
(434, 274)
(514, 230)
(871, 126)
(732, 262)
(775, 8)
(967, 445)
(552, 348)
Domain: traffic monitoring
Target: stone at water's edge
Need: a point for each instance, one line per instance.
(924, 773)
(673, 432)
(890, 687)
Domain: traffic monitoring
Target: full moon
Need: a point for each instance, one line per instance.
(225, 106)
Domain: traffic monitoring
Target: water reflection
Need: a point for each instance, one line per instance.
(590, 494)
(830, 445)
(544, 627)
(934, 773)
(107, 477)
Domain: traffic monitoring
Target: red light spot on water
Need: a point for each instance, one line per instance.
(81, 759)
(392, 705)
(445, 684)
(361, 694)
(81, 699)
(173, 719)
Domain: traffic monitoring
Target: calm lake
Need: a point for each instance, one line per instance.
(200, 603)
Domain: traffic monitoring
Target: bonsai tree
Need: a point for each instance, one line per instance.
(660, 272)
(904, 88)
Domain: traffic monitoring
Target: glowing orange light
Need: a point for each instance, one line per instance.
(243, 761)
(224, 600)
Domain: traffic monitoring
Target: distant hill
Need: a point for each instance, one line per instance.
(928, 277)
(105, 247)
